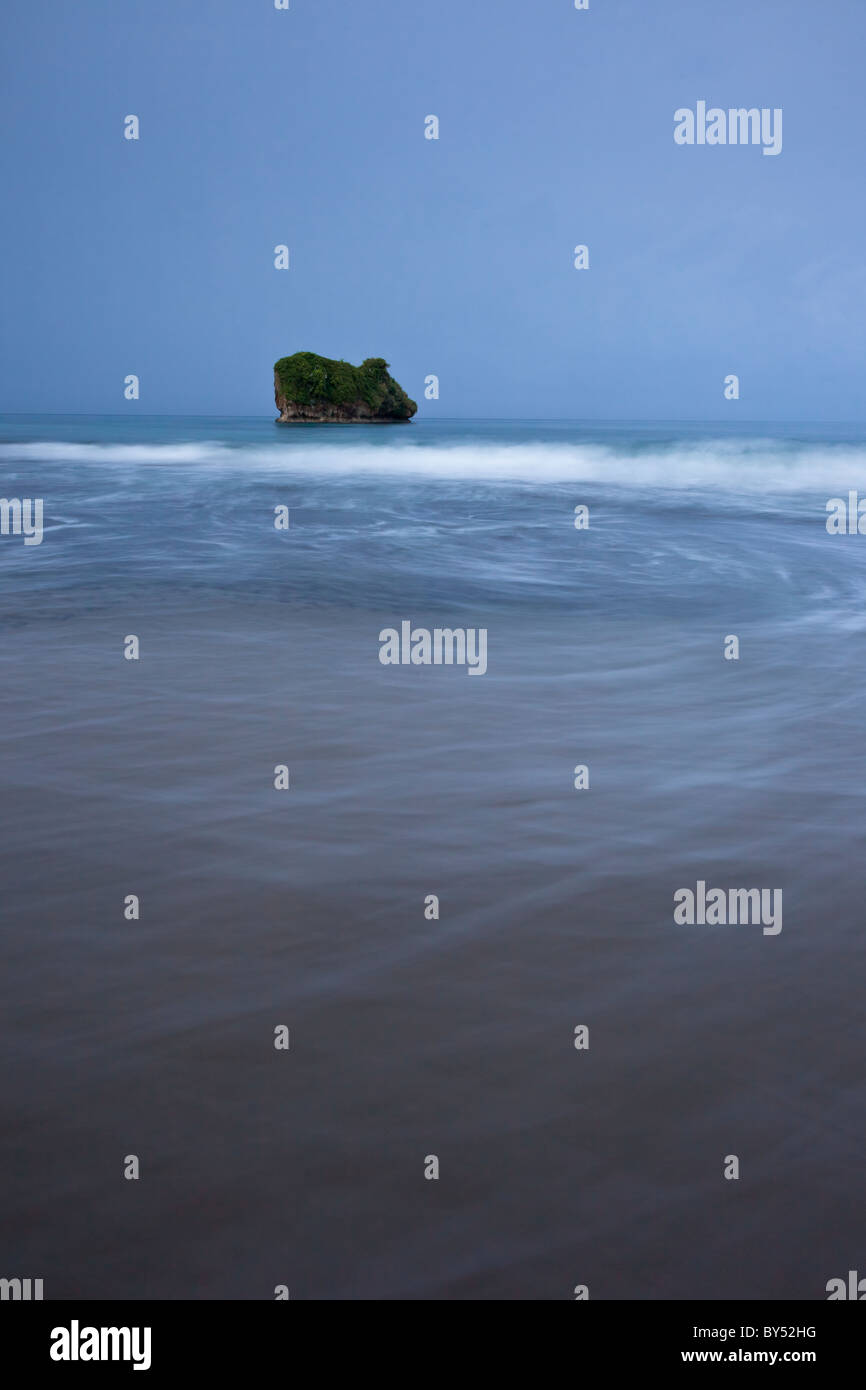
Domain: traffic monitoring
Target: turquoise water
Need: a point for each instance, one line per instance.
(453, 1036)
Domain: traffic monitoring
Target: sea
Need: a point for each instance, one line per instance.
(374, 969)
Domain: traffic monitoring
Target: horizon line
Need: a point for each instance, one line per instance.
(445, 419)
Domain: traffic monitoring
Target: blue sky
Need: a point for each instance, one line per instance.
(452, 257)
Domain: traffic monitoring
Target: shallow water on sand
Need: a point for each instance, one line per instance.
(412, 1037)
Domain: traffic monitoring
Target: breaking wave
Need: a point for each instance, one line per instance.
(759, 465)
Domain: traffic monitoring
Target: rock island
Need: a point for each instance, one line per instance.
(320, 390)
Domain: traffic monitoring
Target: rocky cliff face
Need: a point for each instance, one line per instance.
(309, 388)
(323, 411)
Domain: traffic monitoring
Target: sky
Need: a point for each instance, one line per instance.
(452, 257)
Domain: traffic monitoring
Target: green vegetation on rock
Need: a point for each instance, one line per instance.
(306, 384)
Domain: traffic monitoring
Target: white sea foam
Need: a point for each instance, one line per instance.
(742, 465)
(52, 451)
